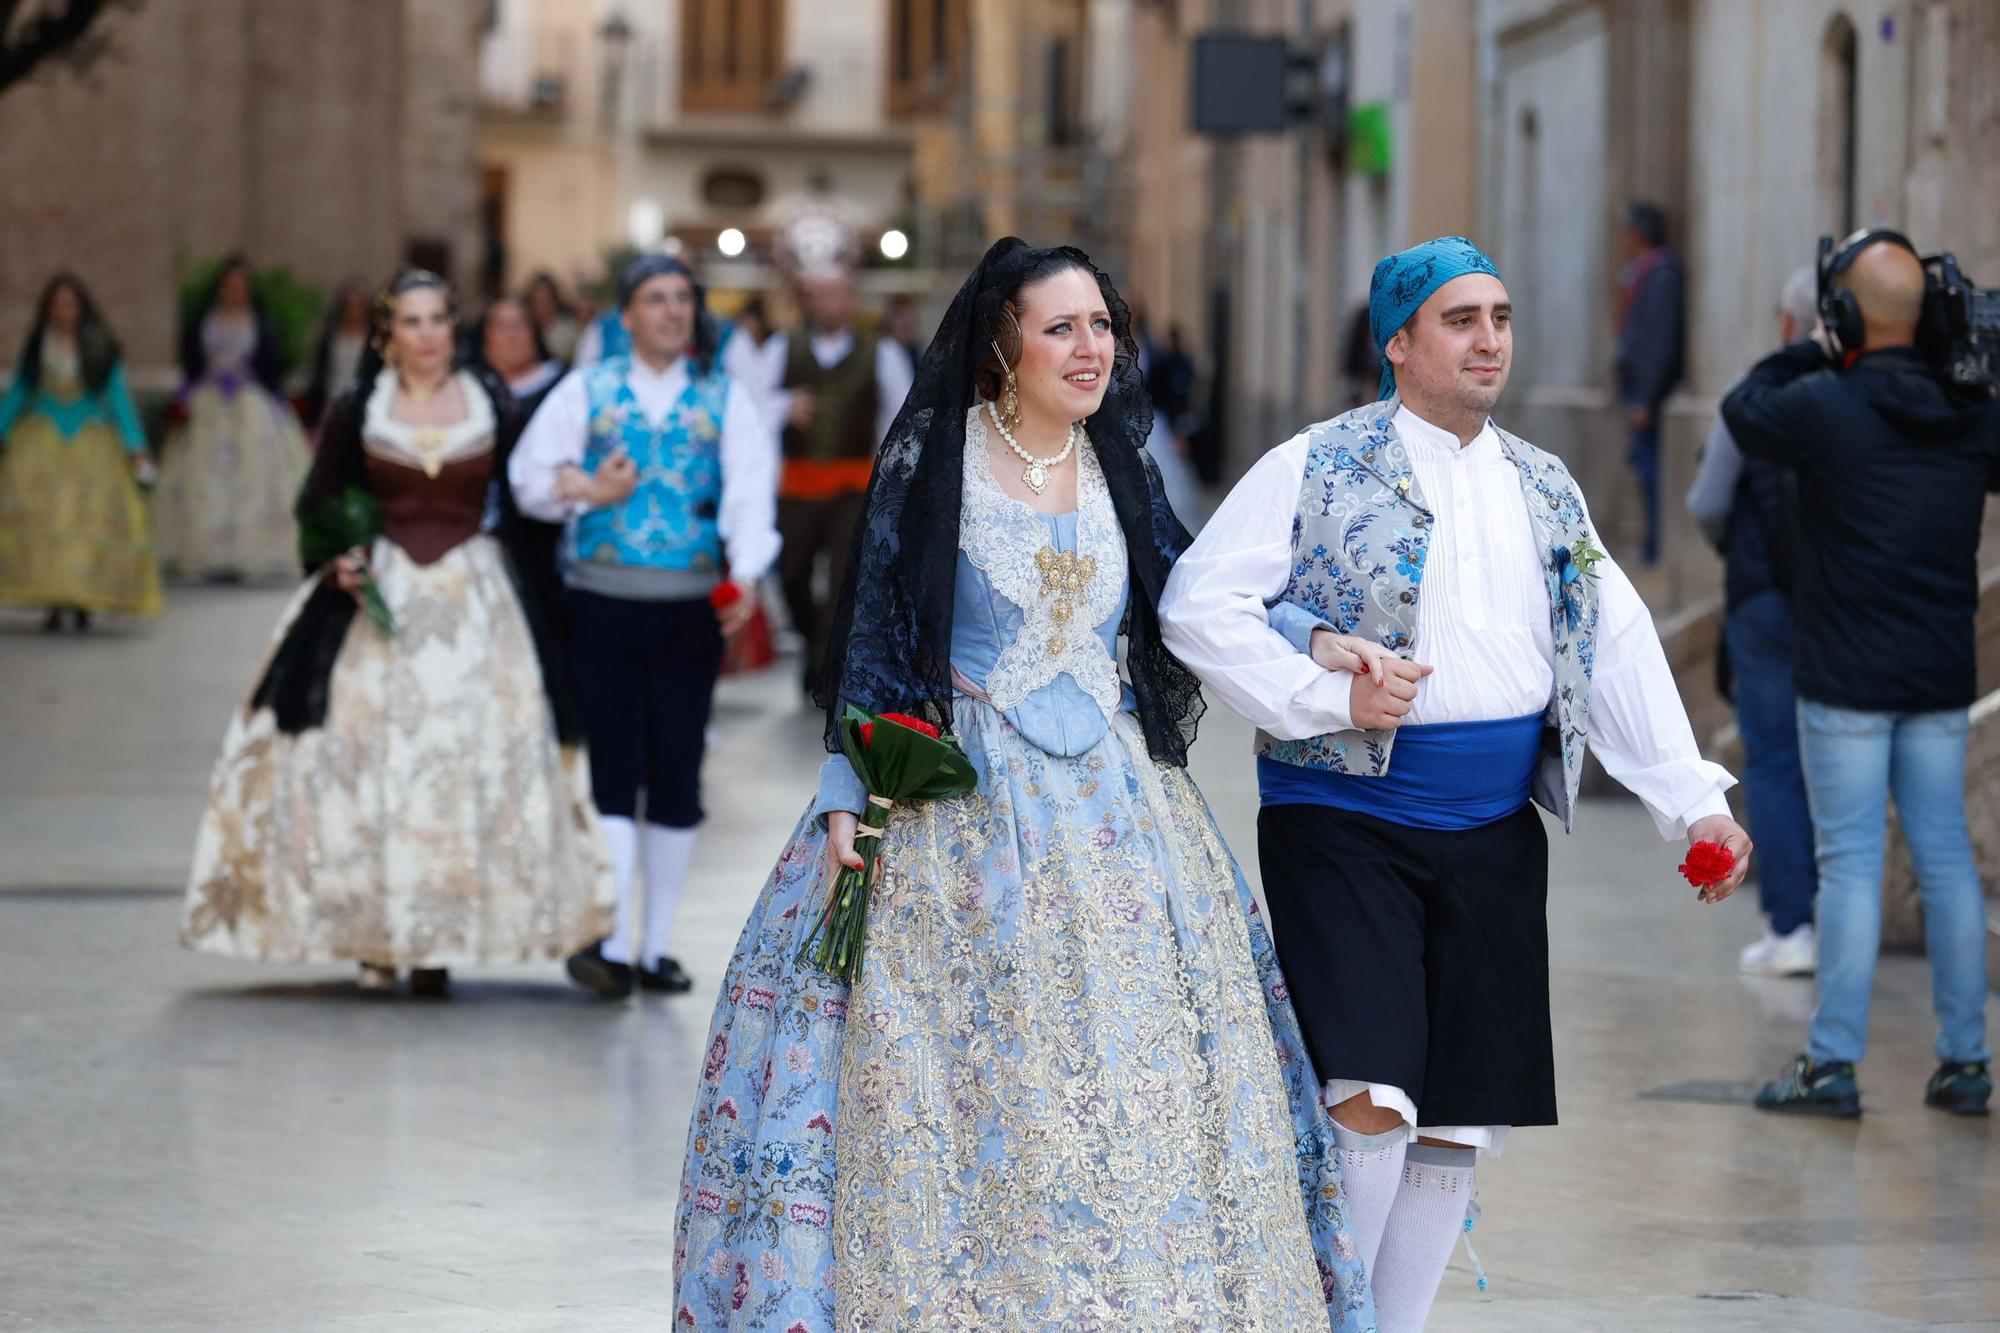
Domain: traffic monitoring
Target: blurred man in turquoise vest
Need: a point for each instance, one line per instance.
(662, 471)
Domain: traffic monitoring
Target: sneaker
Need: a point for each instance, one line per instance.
(667, 977)
(1962, 1089)
(594, 972)
(1793, 955)
(430, 983)
(1813, 1089)
(375, 979)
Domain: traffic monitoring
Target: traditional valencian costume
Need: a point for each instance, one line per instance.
(417, 799)
(229, 475)
(73, 529)
(1407, 870)
(1068, 1091)
(646, 644)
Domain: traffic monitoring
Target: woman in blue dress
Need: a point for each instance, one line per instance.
(1068, 1091)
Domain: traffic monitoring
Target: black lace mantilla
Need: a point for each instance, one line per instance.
(891, 644)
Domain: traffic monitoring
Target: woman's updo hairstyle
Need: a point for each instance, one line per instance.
(998, 314)
(383, 324)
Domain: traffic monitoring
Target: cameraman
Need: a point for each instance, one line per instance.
(1893, 465)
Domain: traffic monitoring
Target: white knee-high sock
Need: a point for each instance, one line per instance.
(1371, 1172)
(621, 839)
(1424, 1227)
(669, 851)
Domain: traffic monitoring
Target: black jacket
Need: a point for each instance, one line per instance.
(1893, 469)
(1759, 550)
(1652, 336)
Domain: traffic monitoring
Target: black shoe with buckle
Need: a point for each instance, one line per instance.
(667, 978)
(594, 972)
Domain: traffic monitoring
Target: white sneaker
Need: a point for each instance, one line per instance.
(1793, 955)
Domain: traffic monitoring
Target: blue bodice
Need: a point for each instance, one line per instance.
(1037, 606)
(63, 398)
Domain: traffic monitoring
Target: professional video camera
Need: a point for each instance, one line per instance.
(1968, 333)
(1960, 324)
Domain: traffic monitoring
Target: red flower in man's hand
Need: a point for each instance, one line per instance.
(901, 720)
(1708, 864)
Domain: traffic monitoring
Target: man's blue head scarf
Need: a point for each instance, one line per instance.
(1404, 281)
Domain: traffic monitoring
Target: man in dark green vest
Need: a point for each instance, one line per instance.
(836, 393)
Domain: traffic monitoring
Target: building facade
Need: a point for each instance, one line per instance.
(333, 138)
(1758, 127)
(611, 124)
(1259, 247)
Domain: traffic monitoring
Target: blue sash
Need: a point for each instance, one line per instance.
(1455, 775)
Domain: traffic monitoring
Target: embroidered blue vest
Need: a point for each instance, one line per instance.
(670, 519)
(1359, 540)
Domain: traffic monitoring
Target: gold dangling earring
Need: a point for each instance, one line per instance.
(1010, 401)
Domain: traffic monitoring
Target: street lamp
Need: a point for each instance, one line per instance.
(616, 34)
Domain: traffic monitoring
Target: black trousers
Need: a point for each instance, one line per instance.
(645, 677)
(811, 528)
(1418, 958)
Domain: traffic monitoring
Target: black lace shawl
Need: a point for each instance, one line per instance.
(891, 645)
(295, 683)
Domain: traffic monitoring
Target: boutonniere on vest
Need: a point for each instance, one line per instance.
(700, 425)
(1572, 565)
(612, 421)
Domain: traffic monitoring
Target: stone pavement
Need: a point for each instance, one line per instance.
(187, 1143)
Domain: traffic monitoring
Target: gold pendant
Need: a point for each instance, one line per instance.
(1036, 476)
(429, 443)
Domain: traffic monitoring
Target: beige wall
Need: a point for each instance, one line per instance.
(562, 206)
(1169, 170)
(1273, 220)
(1718, 109)
(312, 134)
(1443, 143)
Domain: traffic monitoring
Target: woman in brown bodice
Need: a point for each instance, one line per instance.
(412, 798)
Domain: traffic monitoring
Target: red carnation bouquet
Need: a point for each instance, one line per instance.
(1707, 865)
(898, 758)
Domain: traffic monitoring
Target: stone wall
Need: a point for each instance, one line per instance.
(316, 135)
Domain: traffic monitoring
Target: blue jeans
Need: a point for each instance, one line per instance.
(1645, 459)
(1774, 788)
(1853, 761)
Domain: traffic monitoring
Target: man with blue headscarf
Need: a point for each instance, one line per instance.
(1414, 608)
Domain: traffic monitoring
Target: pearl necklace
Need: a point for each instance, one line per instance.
(1036, 474)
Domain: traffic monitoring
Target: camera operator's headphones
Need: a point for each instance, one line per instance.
(1840, 309)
